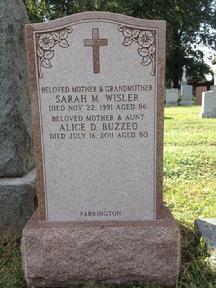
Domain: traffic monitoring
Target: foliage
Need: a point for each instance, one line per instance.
(196, 71)
(37, 10)
(189, 23)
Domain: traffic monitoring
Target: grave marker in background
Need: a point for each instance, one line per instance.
(186, 95)
(199, 90)
(186, 91)
(97, 106)
(172, 96)
(207, 230)
(208, 104)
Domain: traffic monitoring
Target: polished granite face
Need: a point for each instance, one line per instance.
(98, 126)
(97, 105)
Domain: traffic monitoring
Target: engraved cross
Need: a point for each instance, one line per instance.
(95, 42)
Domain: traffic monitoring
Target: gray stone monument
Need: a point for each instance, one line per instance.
(17, 196)
(209, 101)
(97, 83)
(186, 91)
(207, 229)
(208, 104)
(172, 96)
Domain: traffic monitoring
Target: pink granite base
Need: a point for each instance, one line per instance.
(62, 254)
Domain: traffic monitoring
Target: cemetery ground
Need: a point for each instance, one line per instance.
(189, 190)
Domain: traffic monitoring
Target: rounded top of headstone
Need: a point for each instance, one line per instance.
(100, 15)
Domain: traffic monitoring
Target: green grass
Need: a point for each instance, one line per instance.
(189, 190)
(189, 164)
(11, 275)
(190, 186)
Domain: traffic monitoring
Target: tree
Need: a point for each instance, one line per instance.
(38, 11)
(189, 23)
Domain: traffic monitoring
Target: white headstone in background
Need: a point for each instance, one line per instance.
(172, 97)
(186, 90)
(186, 95)
(212, 87)
(208, 104)
(214, 70)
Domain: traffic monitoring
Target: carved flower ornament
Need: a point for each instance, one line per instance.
(45, 43)
(146, 44)
(145, 39)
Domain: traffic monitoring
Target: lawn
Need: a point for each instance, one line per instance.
(189, 190)
(190, 186)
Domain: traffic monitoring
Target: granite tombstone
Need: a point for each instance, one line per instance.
(172, 96)
(186, 95)
(207, 230)
(208, 108)
(186, 91)
(97, 83)
(199, 90)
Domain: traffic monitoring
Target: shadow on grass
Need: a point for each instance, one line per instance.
(195, 267)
